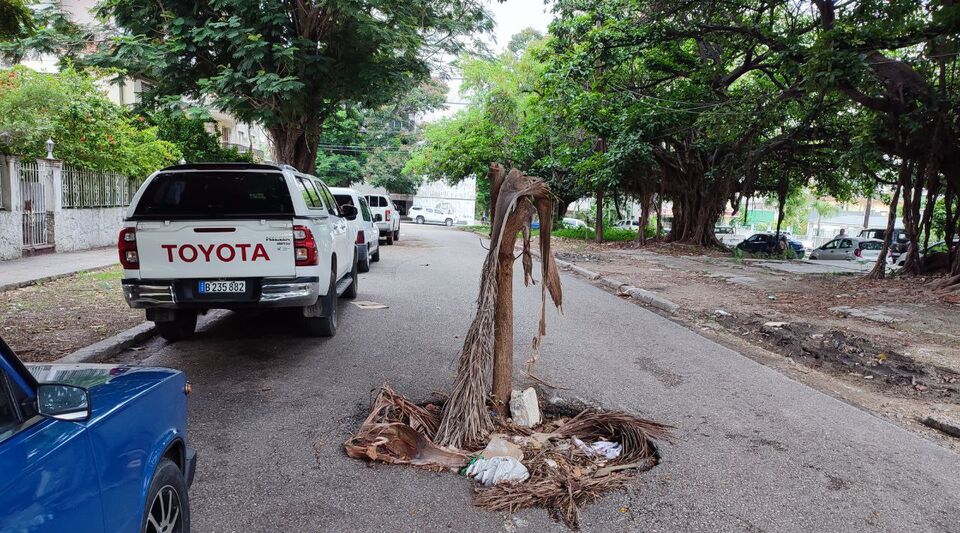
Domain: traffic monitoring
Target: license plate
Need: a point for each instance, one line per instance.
(223, 287)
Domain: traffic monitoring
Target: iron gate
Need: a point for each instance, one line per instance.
(33, 196)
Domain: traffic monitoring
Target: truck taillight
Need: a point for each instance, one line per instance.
(127, 247)
(305, 247)
(361, 237)
(858, 252)
(386, 215)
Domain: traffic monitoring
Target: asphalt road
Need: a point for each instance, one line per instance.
(755, 451)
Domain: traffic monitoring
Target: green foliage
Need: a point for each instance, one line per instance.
(373, 144)
(41, 28)
(609, 234)
(89, 131)
(191, 137)
(286, 65)
(507, 121)
(15, 19)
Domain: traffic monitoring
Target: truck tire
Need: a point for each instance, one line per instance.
(420, 220)
(448, 222)
(168, 506)
(181, 327)
(390, 237)
(351, 291)
(375, 257)
(364, 266)
(325, 326)
(396, 235)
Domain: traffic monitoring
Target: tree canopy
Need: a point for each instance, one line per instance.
(288, 66)
(708, 103)
(89, 131)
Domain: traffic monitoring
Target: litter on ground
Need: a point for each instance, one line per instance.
(561, 464)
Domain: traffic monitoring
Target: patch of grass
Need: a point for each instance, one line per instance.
(108, 275)
(609, 234)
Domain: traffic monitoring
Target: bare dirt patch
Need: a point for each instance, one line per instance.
(47, 321)
(891, 346)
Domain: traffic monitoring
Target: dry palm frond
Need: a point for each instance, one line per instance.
(562, 495)
(389, 406)
(466, 419)
(564, 481)
(400, 432)
(636, 435)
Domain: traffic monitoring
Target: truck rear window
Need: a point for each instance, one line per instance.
(216, 195)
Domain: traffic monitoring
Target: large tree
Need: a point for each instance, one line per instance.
(286, 64)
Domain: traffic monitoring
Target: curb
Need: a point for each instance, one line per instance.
(619, 287)
(112, 345)
(38, 281)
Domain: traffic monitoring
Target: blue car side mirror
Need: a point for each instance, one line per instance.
(63, 402)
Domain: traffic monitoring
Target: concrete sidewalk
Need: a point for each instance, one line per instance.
(30, 270)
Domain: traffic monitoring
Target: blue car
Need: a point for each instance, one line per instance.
(766, 243)
(90, 448)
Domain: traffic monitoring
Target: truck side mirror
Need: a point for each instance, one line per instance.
(349, 212)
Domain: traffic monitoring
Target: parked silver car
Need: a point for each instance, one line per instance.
(849, 249)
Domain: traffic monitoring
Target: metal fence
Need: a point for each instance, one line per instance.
(34, 206)
(91, 188)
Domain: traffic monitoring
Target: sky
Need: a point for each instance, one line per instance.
(510, 17)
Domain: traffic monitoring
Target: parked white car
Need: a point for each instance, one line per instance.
(233, 236)
(574, 223)
(430, 215)
(849, 248)
(386, 216)
(368, 235)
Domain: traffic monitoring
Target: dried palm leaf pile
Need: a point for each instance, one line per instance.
(560, 463)
(564, 474)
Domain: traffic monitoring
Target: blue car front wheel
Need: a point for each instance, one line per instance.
(168, 506)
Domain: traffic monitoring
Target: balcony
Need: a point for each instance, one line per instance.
(243, 149)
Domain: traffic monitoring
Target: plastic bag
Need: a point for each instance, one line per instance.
(497, 470)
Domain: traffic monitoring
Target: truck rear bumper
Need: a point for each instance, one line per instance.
(181, 294)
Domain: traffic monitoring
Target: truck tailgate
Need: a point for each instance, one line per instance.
(216, 249)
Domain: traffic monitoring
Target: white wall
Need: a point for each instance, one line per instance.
(82, 229)
(11, 235)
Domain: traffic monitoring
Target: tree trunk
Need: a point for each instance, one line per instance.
(598, 226)
(503, 328)
(695, 217)
(866, 216)
(880, 268)
(912, 191)
(660, 214)
(296, 144)
(645, 200)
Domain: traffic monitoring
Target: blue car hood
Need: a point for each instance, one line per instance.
(109, 385)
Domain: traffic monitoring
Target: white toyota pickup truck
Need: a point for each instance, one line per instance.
(233, 236)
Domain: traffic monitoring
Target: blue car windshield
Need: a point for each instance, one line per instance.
(8, 411)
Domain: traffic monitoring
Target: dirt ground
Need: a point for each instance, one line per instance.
(47, 321)
(891, 346)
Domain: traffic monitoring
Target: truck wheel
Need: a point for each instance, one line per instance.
(325, 326)
(181, 327)
(420, 220)
(390, 238)
(375, 257)
(351, 291)
(396, 235)
(448, 222)
(364, 266)
(167, 508)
